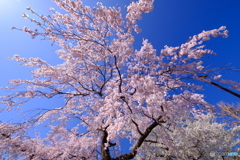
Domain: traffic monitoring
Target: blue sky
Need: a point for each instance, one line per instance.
(171, 23)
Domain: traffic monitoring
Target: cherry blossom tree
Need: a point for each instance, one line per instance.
(113, 90)
(194, 140)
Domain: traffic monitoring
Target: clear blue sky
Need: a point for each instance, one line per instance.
(171, 23)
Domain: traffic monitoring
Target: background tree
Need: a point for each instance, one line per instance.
(114, 91)
(194, 140)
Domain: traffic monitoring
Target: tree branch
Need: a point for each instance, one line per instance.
(133, 153)
(119, 73)
(225, 89)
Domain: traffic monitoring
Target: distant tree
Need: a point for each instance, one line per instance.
(115, 92)
(194, 140)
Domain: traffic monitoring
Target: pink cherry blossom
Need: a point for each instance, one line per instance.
(115, 92)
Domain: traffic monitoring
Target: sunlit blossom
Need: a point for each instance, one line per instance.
(24, 15)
